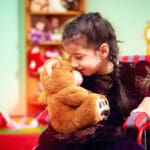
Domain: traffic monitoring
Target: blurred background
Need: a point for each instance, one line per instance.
(129, 19)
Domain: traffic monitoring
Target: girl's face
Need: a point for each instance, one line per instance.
(86, 60)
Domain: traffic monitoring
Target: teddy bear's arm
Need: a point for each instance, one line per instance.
(72, 95)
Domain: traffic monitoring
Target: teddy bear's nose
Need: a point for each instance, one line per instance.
(105, 113)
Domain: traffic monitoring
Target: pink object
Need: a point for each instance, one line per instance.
(43, 117)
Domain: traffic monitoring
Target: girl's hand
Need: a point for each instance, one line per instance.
(144, 106)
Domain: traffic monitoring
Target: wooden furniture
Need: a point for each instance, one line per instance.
(35, 98)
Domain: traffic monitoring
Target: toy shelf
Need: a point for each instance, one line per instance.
(37, 50)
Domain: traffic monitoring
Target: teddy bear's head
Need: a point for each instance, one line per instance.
(58, 74)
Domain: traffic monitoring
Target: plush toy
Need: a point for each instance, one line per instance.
(35, 61)
(71, 4)
(56, 5)
(55, 29)
(70, 106)
(38, 32)
(51, 52)
(39, 5)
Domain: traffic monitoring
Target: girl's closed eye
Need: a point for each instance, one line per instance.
(79, 57)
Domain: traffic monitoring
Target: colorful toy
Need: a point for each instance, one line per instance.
(55, 29)
(43, 117)
(39, 5)
(14, 123)
(71, 4)
(35, 60)
(51, 52)
(56, 5)
(38, 32)
(70, 106)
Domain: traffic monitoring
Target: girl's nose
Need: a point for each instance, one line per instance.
(74, 64)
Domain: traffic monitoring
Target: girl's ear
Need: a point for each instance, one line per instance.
(103, 50)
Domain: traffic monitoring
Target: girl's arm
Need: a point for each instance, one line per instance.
(144, 106)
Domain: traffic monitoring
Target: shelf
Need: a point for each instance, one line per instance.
(37, 103)
(67, 13)
(47, 43)
(50, 43)
(33, 105)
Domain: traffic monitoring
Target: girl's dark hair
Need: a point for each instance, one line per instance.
(95, 30)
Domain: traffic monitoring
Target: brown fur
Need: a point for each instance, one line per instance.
(70, 107)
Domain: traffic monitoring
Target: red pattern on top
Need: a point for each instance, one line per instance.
(134, 58)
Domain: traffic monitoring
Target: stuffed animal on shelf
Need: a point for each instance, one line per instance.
(70, 106)
(55, 29)
(39, 5)
(50, 53)
(35, 60)
(71, 4)
(38, 32)
(56, 5)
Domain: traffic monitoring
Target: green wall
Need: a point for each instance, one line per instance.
(12, 95)
(128, 18)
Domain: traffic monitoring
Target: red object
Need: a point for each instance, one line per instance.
(18, 141)
(35, 61)
(3, 123)
(136, 120)
(134, 58)
(140, 121)
(144, 127)
(43, 117)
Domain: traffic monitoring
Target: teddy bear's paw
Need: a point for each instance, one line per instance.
(104, 109)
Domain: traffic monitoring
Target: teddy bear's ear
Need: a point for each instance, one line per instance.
(50, 65)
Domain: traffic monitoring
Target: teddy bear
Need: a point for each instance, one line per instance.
(70, 106)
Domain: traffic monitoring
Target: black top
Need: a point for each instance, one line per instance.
(104, 134)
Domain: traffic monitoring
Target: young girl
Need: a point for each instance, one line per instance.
(91, 42)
